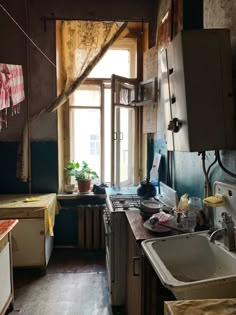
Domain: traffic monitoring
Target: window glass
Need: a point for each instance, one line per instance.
(114, 61)
(86, 95)
(91, 117)
(85, 137)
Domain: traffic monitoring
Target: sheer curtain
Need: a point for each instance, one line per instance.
(83, 45)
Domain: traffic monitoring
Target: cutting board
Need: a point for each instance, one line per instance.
(168, 195)
(228, 190)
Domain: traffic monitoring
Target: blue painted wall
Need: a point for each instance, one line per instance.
(186, 169)
(44, 168)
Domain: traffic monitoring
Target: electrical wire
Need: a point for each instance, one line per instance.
(210, 166)
(207, 184)
(27, 36)
(222, 166)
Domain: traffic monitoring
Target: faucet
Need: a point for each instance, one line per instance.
(227, 230)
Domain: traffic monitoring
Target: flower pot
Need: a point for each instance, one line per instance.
(84, 185)
(69, 188)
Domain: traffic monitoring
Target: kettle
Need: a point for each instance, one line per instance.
(146, 189)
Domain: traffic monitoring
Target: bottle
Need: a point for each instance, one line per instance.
(194, 205)
(154, 178)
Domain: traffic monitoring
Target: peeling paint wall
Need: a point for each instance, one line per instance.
(40, 76)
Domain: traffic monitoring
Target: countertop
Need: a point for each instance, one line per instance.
(200, 307)
(16, 206)
(136, 221)
(6, 226)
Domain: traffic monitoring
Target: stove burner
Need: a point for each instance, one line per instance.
(124, 202)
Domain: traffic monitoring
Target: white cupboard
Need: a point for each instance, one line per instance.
(199, 109)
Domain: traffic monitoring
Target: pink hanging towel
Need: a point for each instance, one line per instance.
(4, 90)
(17, 84)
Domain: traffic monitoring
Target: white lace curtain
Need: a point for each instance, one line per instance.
(83, 45)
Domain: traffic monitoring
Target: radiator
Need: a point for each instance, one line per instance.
(91, 234)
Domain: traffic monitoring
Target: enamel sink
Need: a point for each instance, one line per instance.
(192, 267)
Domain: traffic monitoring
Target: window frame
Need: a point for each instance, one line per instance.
(124, 43)
(103, 83)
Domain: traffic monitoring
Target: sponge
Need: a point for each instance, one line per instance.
(215, 201)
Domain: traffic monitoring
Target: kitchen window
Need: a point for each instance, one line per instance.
(101, 132)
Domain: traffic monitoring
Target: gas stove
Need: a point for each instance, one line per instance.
(121, 202)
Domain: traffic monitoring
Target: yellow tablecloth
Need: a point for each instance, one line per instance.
(18, 203)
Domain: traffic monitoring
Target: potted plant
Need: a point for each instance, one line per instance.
(83, 174)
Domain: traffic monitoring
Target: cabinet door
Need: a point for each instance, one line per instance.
(28, 243)
(200, 84)
(5, 275)
(134, 304)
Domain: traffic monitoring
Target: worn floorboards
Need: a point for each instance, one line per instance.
(75, 284)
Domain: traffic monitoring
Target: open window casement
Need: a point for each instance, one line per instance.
(125, 132)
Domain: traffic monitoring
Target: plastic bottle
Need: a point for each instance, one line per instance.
(154, 176)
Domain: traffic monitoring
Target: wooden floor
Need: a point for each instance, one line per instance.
(75, 284)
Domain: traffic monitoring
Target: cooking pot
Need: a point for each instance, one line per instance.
(146, 189)
(149, 207)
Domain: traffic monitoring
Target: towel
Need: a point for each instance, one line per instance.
(5, 80)
(31, 199)
(17, 84)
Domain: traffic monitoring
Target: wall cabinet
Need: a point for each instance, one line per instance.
(199, 109)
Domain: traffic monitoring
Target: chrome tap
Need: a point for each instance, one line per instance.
(227, 231)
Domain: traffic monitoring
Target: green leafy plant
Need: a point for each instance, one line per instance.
(80, 171)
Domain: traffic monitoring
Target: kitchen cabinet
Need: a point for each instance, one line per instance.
(145, 295)
(33, 236)
(6, 279)
(134, 277)
(197, 75)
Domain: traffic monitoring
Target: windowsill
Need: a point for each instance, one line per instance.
(77, 195)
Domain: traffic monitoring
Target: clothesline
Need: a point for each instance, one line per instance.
(27, 36)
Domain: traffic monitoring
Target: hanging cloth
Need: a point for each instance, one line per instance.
(83, 44)
(16, 86)
(5, 82)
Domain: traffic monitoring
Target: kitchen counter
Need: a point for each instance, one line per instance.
(6, 226)
(32, 238)
(136, 221)
(199, 307)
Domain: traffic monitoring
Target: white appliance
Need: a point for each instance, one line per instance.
(228, 191)
(197, 73)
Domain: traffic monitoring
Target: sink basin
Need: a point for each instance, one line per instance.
(192, 267)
